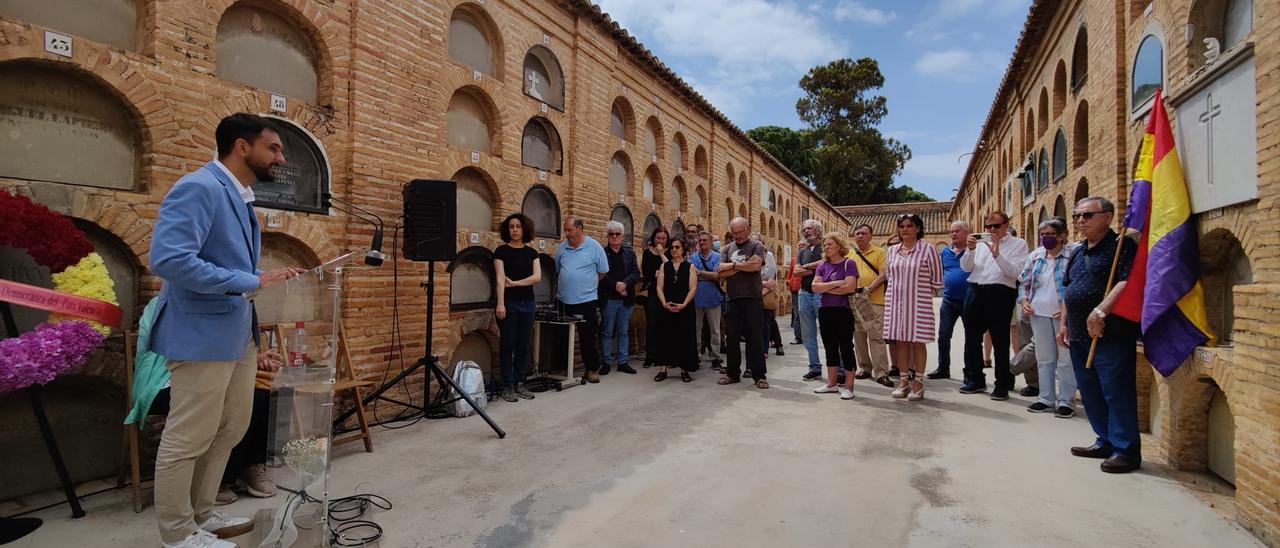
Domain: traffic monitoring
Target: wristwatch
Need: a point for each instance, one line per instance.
(1098, 314)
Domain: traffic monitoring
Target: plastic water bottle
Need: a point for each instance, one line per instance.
(298, 345)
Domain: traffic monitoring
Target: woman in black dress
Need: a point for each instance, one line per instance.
(678, 325)
(655, 253)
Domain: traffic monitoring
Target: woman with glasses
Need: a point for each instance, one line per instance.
(913, 272)
(678, 323)
(516, 270)
(1040, 294)
(655, 254)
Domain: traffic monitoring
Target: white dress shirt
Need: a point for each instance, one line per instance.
(984, 269)
(246, 193)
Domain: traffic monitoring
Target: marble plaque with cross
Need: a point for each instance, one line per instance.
(1217, 140)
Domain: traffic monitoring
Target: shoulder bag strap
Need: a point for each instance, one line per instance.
(868, 263)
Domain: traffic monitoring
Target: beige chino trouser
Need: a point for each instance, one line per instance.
(868, 337)
(210, 406)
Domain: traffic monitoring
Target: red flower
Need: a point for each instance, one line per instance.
(51, 239)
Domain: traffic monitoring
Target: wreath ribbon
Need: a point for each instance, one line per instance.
(58, 302)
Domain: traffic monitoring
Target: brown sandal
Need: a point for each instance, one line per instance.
(762, 384)
(727, 380)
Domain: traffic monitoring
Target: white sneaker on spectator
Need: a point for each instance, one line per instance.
(201, 539)
(824, 389)
(845, 393)
(226, 527)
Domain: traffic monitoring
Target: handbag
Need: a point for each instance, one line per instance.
(770, 300)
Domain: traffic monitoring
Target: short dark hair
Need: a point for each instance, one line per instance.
(654, 235)
(915, 220)
(239, 126)
(868, 227)
(1004, 217)
(526, 228)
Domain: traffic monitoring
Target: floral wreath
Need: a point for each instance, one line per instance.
(83, 302)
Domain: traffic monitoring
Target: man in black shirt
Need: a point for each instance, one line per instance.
(740, 264)
(617, 292)
(1108, 388)
(807, 259)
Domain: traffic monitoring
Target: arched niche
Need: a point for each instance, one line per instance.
(114, 22)
(677, 198)
(545, 290)
(649, 189)
(1029, 136)
(471, 118)
(281, 250)
(62, 125)
(677, 228)
(474, 40)
(1060, 209)
(1227, 21)
(259, 48)
(742, 210)
(541, 206)
(1042, 172)
(651, 223)
(698, 202)
(475, 347)
(652, 136)
(1147, 73)
(1080, 58)
(700, 162)
(303, 178)
(1220, 438)
(773, 201)
(1059, 88)
(1059, 155)
(620, 174)
(471, 279)
(540, 145)
(1080, 134)
(728, 208)
(1082, 191)
(622, 120)
(1044, 112)
(743, 191)
(1223, 265)
(543, 78)
(679, 155)
(475, 200)
(621, 214)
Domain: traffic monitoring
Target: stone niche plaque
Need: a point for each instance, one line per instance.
(1217, 138)
(301, 179)
(61, 127)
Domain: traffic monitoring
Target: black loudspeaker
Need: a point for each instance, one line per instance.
(430, 220)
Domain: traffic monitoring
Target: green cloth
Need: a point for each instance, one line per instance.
(150, 375)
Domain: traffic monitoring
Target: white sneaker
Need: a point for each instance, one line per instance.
(226, 527)
(824, 389)
(845, 393)
(201, 539)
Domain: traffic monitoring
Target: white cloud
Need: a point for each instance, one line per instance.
(737, 46)
(960, 64)
(856, 12)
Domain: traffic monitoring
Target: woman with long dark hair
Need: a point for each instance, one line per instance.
(678, 324)
(655, 254)
(516, 270)
(913, 271)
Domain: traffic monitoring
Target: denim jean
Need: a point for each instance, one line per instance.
(807, 310)
(616, 321)
(1054, 364)
(515, 332)
(1109, 391)
(948, 312)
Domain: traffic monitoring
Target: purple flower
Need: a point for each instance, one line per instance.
(49, 350)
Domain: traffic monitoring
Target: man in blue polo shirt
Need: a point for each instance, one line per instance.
(955, 287)
(580, 264)
(708, 299)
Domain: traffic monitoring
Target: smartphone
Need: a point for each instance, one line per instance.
(983, 237)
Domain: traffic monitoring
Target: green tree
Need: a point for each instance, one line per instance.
(794, 148)
(853, 163)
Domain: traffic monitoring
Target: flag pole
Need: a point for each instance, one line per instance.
(1111, 279)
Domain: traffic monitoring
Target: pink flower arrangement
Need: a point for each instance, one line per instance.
(40, 355)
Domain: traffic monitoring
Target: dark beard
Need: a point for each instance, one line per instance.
(264, 174)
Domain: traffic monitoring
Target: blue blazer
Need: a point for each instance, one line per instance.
(205, 247)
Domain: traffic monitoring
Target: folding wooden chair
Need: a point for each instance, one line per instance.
(345, 383)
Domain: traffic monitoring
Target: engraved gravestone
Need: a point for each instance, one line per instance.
(301, 179)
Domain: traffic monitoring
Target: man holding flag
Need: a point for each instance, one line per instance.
(1168, 313)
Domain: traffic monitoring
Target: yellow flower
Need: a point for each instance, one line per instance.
(88, 278)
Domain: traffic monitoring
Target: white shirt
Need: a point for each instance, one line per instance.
(246, 193)
(984, 269)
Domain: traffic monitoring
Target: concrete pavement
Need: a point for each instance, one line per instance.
(630, 462)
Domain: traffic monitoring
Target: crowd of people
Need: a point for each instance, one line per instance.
(871, 306)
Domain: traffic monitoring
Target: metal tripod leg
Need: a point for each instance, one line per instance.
(444, 379)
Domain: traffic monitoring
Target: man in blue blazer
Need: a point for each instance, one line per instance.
(205, 247)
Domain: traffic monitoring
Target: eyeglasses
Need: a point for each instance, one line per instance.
(993, 226)
(1086, 215)
(615, 233)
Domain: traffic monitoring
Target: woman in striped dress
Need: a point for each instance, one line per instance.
(913, 271)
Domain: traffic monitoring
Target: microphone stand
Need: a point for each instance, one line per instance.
(375, 256)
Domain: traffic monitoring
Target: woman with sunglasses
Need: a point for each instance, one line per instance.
(913, 272)
(678, 324)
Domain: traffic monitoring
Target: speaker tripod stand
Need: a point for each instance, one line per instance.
(429, 361)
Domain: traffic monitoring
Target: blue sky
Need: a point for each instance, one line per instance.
(942, 61)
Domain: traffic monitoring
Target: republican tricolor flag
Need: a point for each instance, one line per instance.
(1163, 292)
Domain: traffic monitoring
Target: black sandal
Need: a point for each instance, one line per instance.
(661, 376)
(685, 376)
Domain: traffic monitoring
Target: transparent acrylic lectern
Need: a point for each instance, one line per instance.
(301, 423)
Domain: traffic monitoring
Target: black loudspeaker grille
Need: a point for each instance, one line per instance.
(430, 220)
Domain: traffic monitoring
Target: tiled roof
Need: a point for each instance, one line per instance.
(683, 89)
(882, 217)
(1033, 33)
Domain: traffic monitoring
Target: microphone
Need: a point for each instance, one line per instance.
(375, 256)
